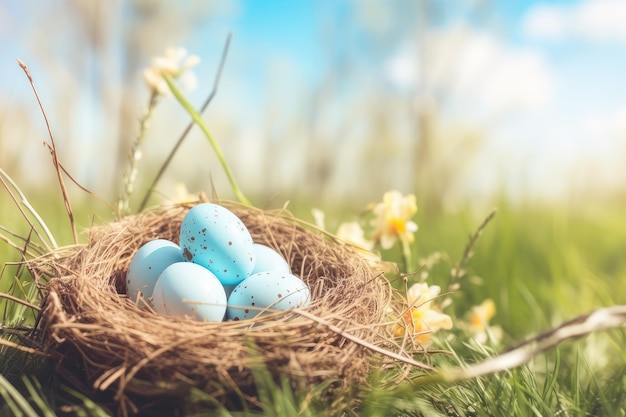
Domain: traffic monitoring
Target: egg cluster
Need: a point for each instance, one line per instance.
(218, 272)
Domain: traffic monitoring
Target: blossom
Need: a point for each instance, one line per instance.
(353, 233)
(176, 63)
(181, 195)
(393, 219)
(349, 232)
(479, 321)
(319, 218)
(482, 313)
(421, 319)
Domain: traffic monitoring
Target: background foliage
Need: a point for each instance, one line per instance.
(335, 135)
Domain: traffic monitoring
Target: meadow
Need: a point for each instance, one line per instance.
(526, 267)
(541, 264)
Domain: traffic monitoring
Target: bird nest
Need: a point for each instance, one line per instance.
(113, 347)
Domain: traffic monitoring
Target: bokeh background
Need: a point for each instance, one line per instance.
(469, 104)
(462, 102)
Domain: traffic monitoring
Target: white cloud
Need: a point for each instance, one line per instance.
(547, 21)
(598, 20)
(475, 67)
(402, 69)
(606, 130)
(521, 80)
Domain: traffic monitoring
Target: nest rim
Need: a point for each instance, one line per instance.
(84, 331)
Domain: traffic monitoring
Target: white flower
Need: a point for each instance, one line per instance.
(353, 233)
(393, 219)
(319, 218)
(420, 295)
(174, 63)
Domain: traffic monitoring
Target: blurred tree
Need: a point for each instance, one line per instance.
(93, 53)
(353, 130)
(400, 129)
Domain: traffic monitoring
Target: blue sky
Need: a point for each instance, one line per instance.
(542, 79)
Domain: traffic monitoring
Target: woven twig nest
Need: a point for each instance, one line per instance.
(111, 344)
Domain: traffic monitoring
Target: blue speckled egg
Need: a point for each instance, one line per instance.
(148, 263)
(272, 290)
(187, 289)
(214, 237)
(267, 259)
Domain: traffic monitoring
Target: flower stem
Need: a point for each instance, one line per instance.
(406, 253)
(198, 120)
(123, 204)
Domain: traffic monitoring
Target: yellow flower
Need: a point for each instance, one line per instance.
(421, 318)
(174, 63)
(482, 313)
(479, 321)
(393, 219)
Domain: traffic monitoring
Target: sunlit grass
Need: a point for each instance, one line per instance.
(540, 264)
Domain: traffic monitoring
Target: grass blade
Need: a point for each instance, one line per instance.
(16, 402)
(35, 389)
(182, 137)
(11, 187)
(207, 133)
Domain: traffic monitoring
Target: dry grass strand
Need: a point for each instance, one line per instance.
(114, 345)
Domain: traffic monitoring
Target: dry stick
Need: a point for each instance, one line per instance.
(19, 301)
(53, 150)
(35, 249)
(8, 240)
(167, 162)
(598, 320)
(467, 253)
(85, 189)
(360, 341)
(31, 249)
(17, 346)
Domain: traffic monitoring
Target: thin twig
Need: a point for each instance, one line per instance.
(23, 348)
(53, 150)
(85, 189)
(19, 301)
(362, 342)
(598, 320)
(182, 137)
(30, 249)
(8, 240)
(457, 272)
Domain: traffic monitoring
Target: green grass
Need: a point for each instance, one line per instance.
(540, 264)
